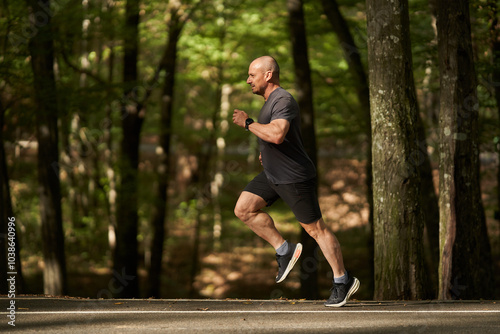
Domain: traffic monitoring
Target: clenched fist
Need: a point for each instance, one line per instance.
(239, 117)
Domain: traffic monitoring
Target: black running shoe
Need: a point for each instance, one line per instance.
(286, 262)
(342, 292)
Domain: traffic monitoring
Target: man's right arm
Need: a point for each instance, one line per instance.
(274, 132)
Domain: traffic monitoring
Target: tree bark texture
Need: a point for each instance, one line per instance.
(42, 62)
(309, 261)
(126, 257)
(398, 217)
(465, 270)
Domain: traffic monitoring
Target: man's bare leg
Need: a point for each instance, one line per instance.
(344, 286)
(249, 210)
(329, 245)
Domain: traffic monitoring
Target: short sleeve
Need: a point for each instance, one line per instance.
(284, 108)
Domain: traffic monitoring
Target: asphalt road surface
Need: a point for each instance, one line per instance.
(69, 315)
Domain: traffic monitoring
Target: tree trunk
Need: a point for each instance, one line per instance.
(109, 157)
(42, 61)
(309, 261)
(429, 201)
(7, 216)
(220, 129)
(465, 270)
(126, 257)
(495, 80)
(398, 217)
(168, 63)
(201, 195)
(429, 198)
(6, 210)
(6, 207)
(218, 179)
(353, 58)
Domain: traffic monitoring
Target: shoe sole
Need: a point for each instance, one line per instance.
(293, 260)
(352, 290)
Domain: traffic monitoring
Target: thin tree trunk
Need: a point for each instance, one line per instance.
(218, 179)
(7, 212)
(202, 196)
(353, 57)
(42, 61)
(6, 207)
(465, 270)
(195, 256)
(309, 261)
(108, 155)
(398, 217)
(429, 198)
(429, 201)
(126, 257)
(7, 216)
(168, 63)
(495, 79)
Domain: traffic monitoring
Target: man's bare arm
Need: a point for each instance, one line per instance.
(273, 132)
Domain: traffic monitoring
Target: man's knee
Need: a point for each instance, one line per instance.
(243, 211)
(315, 229)
(248, 205)
(313, 232)
(240, 211)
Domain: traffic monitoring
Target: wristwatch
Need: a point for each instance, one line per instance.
(248, 121)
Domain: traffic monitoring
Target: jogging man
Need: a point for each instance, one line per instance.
(288, 174)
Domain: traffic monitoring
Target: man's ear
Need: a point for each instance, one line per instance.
(269, 76)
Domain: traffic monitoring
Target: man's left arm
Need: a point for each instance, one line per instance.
(273, 132)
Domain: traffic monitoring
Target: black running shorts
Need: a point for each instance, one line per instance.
(301, 197)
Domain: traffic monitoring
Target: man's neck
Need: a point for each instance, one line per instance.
(271, 88)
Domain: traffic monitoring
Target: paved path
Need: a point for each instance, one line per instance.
(68, 315)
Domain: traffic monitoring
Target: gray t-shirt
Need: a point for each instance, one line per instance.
(287, 162)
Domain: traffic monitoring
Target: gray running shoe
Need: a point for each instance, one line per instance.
(342, 292)
(286, 262)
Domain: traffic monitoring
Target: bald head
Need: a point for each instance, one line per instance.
(264, 76)
(268, 63)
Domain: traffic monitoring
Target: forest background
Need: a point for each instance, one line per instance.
(165, 81)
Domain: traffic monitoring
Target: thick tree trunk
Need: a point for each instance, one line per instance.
(42, 61)
(465, 270)
(126, 257)
(309, 261)
(398, 217)
(168, 63)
